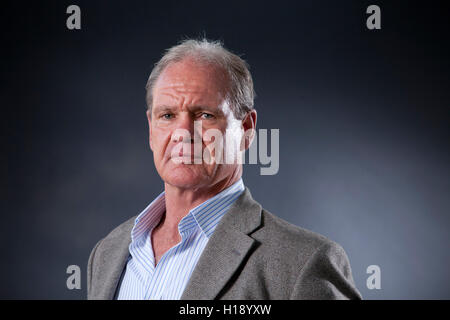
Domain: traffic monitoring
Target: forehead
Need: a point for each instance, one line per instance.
(189, 77)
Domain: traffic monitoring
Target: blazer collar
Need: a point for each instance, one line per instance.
(227, 248)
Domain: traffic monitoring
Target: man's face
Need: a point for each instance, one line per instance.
(185, 92)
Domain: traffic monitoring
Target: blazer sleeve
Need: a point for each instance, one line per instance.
(326, 276)
(90, 265)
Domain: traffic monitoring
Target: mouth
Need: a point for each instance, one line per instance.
(186, 159)
(178, 154)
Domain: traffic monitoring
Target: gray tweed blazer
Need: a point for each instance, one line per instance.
(252, 254)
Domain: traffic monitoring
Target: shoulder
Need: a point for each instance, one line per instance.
(107, 247)
(279, 234)
(118, 235)
(294, 249)
(306, 264)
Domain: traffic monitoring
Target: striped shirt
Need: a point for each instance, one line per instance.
(167, 281)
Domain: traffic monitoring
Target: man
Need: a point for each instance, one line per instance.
(205, 237)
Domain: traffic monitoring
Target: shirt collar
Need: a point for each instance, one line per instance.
(205, 216)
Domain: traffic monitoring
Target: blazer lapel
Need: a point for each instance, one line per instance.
(226, 249)
(117, 270)
(117, 256)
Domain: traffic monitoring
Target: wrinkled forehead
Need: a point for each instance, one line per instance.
(192, 77)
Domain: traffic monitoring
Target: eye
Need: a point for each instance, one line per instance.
(167, 116)
(205, 115)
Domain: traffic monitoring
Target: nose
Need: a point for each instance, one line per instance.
(184, 130)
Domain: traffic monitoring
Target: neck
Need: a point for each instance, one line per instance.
(180, 201)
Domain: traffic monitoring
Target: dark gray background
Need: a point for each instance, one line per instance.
(363, 118)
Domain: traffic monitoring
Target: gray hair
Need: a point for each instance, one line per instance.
(241, 93)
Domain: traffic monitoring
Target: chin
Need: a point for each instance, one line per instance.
(183, 176)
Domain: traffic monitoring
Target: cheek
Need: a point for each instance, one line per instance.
(159, 139)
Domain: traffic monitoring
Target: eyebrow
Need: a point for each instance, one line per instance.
(163, 108)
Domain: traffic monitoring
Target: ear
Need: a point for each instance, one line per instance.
(149, 119)
(249, 126)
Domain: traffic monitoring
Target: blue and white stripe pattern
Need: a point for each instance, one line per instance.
(167, 281)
